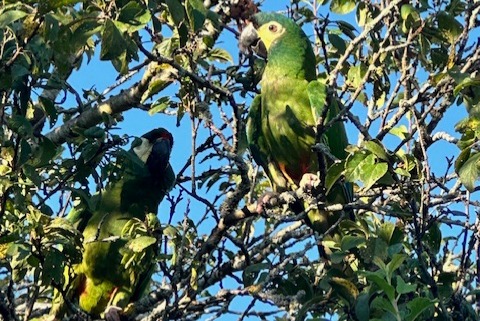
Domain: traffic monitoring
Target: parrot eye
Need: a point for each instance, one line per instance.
(272, 28)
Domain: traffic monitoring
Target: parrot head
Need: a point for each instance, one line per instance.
(154, 149)
(280, 41)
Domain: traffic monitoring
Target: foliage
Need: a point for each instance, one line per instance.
(402, 72)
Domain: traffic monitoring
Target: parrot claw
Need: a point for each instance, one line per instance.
(112, 313)
(288, 197)
(309, 182)
(266, 201)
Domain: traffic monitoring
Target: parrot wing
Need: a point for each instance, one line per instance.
(258, 147)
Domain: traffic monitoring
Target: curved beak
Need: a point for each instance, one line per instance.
(250, 40)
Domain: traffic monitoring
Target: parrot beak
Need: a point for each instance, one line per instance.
(250, 40)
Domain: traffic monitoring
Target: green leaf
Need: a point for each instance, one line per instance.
(433, 238)
(406, 10)
(399, 131)
(334, 172)
(362, 307)
(25, 152)
(49, 107)
(165, 75)
(196, 13)
(417, 306)
(376, 278)
(4, 170)
(377, 149)
(140, 243)
(386, 305)
(10, 16)
(386, 231)
(52, 266)
(466, 83)
(337, 42)
(347, 29)
(94, 132)
(404, 288)
(159, 105)
(411, 17)
(317, 94)
(176, 11)
(469, 172)
(449, 26)
(363, 14)
(32, 174)
(342, 6)
(171, 231)
(113, 45)
(394, 264)
(120, 64)
(89, 152)
(252, 271)
(45, 153)
(350, 242)
(21, 125)
(369, 172)
(355, 75)
(220, 55)
(134, 15)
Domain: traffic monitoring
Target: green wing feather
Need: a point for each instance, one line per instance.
(258, 146)
(335, 137)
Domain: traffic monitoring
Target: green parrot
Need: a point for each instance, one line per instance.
(101, 284)
(281, 124)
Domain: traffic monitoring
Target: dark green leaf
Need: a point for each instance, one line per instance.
(433, 238)
(417, 306)
(382, 303)
(94, 132)
(134, 15)
(25, 152)
(449, 26)
(334, 172)
(362, 307)
(347, 29)
(380, 281)
(112, 45)
(32, 174)
(252, 271)
(196, 13)
(404, 288)
(394, 264)
(337, 42)
(21, 125)
(176, 11)
(350, 242)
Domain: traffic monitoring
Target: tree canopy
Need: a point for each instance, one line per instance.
(405, 74)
